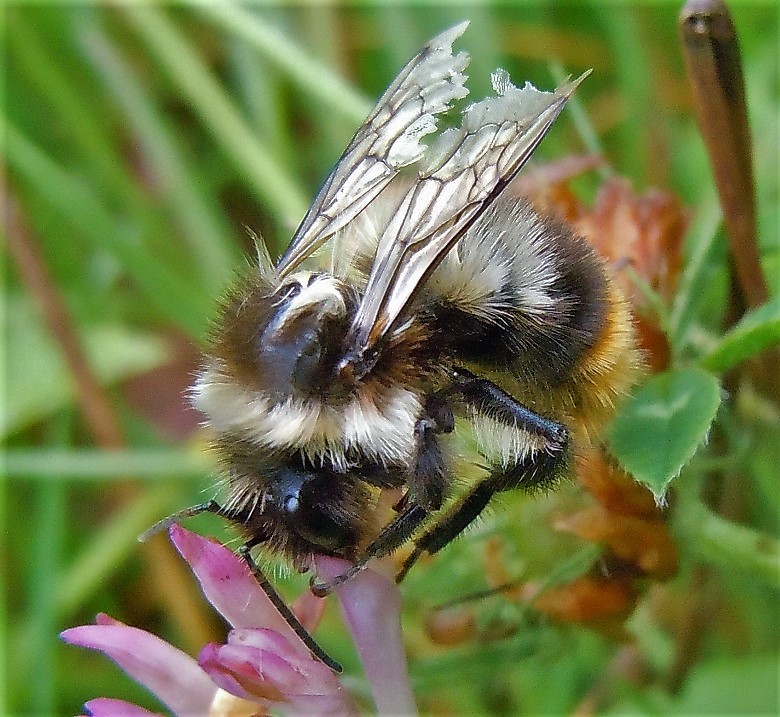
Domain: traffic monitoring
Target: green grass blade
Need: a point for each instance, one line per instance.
(202, 226)
(703, 245)
(76, 117)
(84, 464)
(308, 74)
(720, 542)
(267, 179)
(173, 296)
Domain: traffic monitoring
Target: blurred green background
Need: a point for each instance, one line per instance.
(139, 142)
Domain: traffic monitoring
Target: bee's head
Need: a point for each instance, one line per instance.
(297, 349)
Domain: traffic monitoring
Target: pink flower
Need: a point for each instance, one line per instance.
(263, 665)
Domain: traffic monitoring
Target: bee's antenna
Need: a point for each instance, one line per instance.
(286, 613)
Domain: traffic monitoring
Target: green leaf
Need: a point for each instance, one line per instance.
(757, 330)
(746, 686)
(718, 541)
(663, 424)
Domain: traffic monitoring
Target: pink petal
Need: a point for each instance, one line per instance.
(247, 672)
(371, 606)
(260, 675)
(209, 661)
(308, 608)
(268, 641)
(107, 707)
(319, 679)
(174, 677)
(336, 705)
(228, 583)
(102, 619)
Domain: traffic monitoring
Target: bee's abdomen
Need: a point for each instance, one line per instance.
(523, 294)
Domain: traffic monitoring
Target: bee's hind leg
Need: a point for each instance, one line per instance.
(536, 467)
(538, 470)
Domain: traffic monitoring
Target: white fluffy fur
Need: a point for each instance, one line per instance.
(383, 433)
(503, 444)
(506, 245)
(323, 291)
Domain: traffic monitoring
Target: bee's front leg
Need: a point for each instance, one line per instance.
(428, 481)
(289, 616)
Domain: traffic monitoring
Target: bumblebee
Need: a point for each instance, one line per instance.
(443, 300)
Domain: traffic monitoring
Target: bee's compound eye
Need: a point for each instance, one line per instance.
(292, 358)
(303, 499)
(290, 503)
(287, 490)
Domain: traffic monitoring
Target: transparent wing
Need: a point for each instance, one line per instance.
(387, 141)
(465, 170)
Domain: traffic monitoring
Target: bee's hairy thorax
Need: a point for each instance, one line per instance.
(271, 378)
